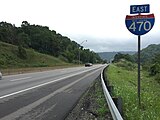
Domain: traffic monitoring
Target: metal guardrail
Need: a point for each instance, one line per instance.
(113, 109)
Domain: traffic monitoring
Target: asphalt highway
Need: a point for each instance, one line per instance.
(48, 95)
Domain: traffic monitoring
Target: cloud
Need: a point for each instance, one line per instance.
(100, 22)
(109, 44)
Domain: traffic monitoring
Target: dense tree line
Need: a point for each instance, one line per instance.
(44, 40)
(120, 56)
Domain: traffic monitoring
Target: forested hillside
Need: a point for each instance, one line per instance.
(148, 53)
(44, 40)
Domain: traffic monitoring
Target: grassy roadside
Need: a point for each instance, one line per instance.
(9, 58)
(102, 109)
(125, 85)
(92, 105)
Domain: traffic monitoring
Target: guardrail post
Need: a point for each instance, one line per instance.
(118, 103)
(110, 89)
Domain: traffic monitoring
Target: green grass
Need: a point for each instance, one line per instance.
(97, 102)
(125, 85)
(9, 58)
(101, 101)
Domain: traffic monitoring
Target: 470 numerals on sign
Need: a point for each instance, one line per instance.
(140, 24)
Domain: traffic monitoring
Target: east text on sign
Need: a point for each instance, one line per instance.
(134, 9)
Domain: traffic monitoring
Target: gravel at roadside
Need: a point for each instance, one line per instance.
(92, 105)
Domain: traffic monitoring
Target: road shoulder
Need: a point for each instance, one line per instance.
(91, 105)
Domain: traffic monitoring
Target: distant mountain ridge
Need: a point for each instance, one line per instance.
(110, 55)
(148, 53)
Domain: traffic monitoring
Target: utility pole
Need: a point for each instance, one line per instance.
(79, 50)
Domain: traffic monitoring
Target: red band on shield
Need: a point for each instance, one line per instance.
(129, 17)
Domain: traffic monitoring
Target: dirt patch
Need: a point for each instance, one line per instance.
(92, 105)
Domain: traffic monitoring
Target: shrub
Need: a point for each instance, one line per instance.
(126, 64)
(154, 69)
(22, 52)
(120, 56)
(157, 77)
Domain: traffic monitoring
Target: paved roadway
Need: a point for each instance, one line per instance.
(48, 95)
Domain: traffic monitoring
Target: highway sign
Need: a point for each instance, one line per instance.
(139, 9)
(139, 24)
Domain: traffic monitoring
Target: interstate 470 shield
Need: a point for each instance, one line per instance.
(139, 24)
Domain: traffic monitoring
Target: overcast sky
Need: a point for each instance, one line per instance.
(100, 22)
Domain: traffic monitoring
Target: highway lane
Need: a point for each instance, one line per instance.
(14, 83)
(48, 95)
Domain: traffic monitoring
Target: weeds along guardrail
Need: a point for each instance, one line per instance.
(112, 107)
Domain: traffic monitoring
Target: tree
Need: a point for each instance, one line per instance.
(155, 66)
(22, 52)
(8, 33)
(24, 40)
(120, 56)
